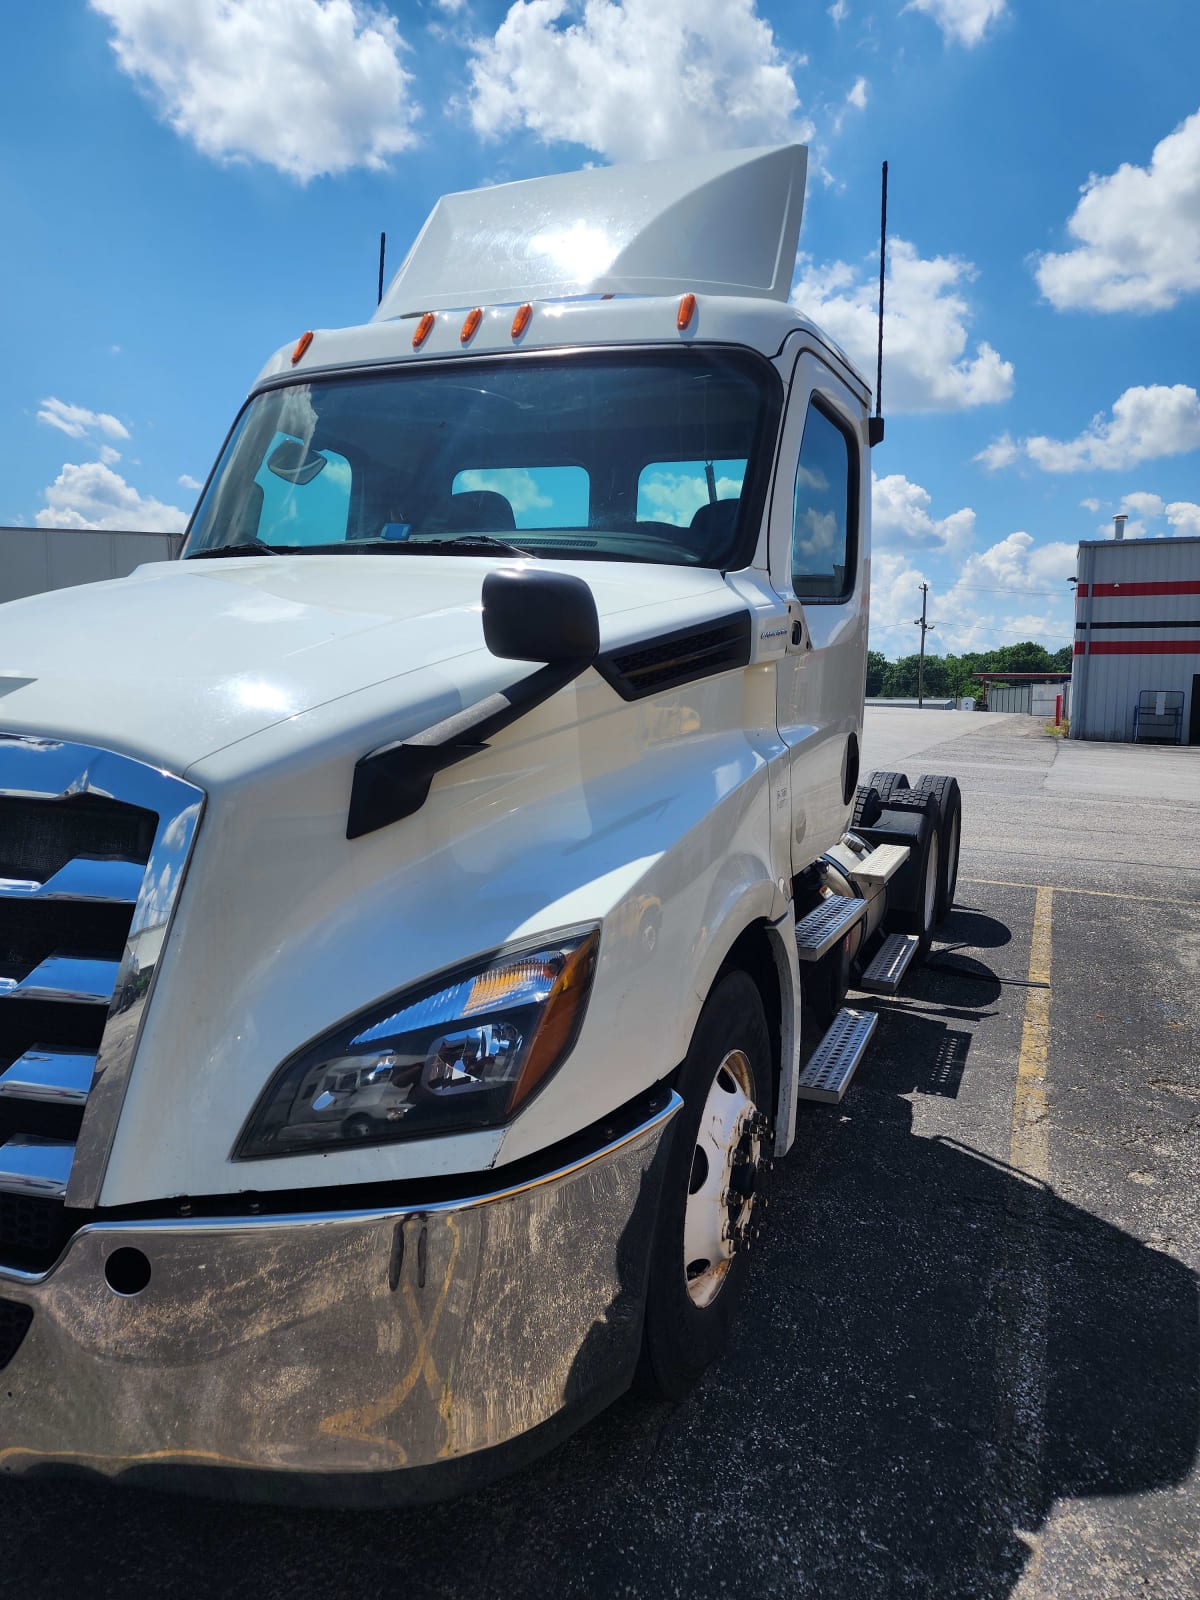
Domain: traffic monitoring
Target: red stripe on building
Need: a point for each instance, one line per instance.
(1140, 647)
(1116, 590)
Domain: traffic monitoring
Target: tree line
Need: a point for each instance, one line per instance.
(952, 675)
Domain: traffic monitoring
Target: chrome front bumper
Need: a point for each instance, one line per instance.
(293, 1354)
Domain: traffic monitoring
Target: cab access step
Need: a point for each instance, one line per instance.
(892, 961)
(832, 920)
(835, 1060)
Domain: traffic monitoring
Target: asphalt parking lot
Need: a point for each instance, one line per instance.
(970, 1362)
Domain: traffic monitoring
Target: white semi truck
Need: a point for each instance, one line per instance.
(424, 905)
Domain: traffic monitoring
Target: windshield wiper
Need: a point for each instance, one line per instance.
(245, 547)
(461, 541)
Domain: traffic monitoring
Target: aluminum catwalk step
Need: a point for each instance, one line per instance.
(884, 974)
(835, 1060)
(821, 929)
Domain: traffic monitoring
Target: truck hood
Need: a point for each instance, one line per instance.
(182, 659)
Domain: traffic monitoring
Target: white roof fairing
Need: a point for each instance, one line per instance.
(717, 224)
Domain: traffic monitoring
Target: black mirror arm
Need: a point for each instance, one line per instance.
(394, 781)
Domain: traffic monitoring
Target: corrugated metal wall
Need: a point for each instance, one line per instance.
(1010, 697)
(33, 560)
(1137, 627)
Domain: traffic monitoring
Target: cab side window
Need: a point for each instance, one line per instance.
(825, 510)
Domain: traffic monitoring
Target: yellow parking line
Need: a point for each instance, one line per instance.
(1103, 894)
(1029, 1146)
(1023, 1303)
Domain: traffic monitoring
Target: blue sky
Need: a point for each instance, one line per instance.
(188, 184)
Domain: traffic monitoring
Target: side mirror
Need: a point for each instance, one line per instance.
(530, 614)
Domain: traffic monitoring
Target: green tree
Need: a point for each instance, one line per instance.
(1024, 657)
(900, 679)
(877, 665)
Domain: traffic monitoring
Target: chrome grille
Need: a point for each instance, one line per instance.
(92, 851)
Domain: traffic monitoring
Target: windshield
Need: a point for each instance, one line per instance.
(655, 456)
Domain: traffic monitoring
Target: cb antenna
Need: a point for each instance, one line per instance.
(875, 424)
(382, 254)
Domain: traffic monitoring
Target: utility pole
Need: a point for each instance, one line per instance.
(925, 627)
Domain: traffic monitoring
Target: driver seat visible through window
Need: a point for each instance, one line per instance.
(472, 511)
(712, 529)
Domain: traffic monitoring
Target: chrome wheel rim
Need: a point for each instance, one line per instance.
(721, 1188)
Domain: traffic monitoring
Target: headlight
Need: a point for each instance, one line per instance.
(462, 1050)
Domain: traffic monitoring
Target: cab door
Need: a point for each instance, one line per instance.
(818, 552)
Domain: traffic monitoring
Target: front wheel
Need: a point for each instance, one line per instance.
(712, 1201)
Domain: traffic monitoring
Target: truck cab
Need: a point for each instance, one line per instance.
(404, 893)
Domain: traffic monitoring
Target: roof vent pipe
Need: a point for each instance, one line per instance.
(1119, 522)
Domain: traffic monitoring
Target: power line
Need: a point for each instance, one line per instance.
(1034, 594)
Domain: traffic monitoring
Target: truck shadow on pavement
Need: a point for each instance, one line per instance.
(933, 1352)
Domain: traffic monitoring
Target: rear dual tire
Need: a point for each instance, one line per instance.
(948, 796)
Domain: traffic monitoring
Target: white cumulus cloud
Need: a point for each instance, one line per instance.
(926, 364)
(857, 95)
(1005, 593)
(895, 591)
(1013, 589)
(1002, 452)
(839, 11)
(962, 21)
(900, 518)
(78, 422)
(91, 495)
(1146, 422)
(1018, 562)
(636, 79)
(1139, 234)
(307, 86)
(1141, 504)
(1184, 517)
(186, 481)
(1150, 517)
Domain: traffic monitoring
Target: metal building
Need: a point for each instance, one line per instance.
(1037, 694)
(33, 560)
(1137, 640)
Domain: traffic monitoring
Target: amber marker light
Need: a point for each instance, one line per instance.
(424, 329)
(302, 344)
(687, 310)
(521, 320)
(469, 327)
(560, 1020)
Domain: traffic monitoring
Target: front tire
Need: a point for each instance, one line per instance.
(711, 1199)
